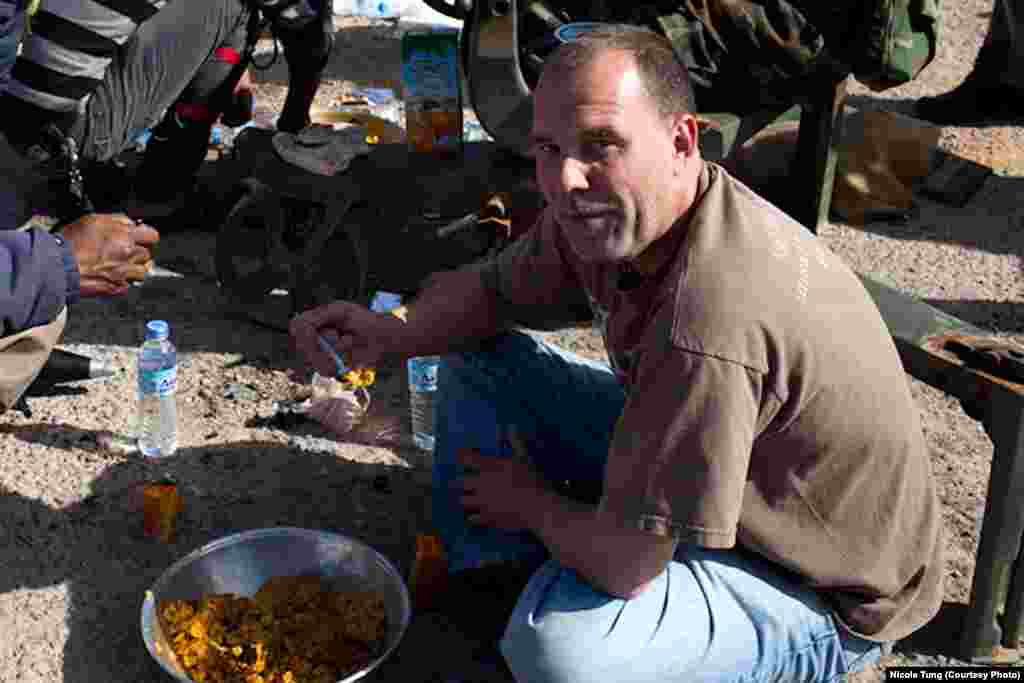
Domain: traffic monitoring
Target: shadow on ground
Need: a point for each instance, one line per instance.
(908, 107)
(940, 636)
(97, 548)
(993, 222)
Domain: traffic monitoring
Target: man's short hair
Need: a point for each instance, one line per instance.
(665, 77)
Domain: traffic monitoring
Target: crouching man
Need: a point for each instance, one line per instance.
(745, 493)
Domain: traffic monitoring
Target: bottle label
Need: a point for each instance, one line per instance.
(158, 382)
(423, 374)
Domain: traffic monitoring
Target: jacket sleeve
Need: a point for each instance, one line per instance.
(38, 278)
(12, 25)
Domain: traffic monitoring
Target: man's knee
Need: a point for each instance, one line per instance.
(561, 629)
(532, 654)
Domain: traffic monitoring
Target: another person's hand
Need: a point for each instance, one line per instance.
(363, 337)
(500, 492)
(112, 251)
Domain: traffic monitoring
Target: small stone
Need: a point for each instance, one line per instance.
(240, 392)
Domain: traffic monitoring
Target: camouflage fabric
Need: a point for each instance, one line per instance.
(902, 35)
(735, 48)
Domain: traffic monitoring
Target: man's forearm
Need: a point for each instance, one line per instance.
(618, 561)
(452, 313)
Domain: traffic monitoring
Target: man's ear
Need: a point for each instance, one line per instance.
(685, 135)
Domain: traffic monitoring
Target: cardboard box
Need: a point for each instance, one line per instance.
(433, 98)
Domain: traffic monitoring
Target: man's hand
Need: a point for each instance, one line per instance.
(362, 336)
(112, 251)
(501, 493)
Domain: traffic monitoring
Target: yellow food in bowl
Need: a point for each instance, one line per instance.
(293, 630)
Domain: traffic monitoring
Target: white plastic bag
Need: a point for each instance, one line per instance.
(335, 407)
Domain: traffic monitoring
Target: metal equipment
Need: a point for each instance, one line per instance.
(382, 224)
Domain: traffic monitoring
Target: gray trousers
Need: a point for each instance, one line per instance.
(170, 57)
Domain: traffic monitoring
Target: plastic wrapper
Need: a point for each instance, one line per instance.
(336, 404)
(340, 403)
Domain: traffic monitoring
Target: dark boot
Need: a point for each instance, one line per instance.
(980, 98)
(173, 156)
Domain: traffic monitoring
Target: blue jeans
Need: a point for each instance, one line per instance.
(711, 616)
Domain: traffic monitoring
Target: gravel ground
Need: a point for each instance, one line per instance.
(74, 563)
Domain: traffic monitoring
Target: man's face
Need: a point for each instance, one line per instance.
(608, 163)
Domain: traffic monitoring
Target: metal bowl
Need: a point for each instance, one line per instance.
(242, 562)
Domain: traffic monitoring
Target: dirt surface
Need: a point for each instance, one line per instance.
(73, 560)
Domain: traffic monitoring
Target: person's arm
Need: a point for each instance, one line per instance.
(41, 273)
(453, 312)
(617, 560)
(528, 282)
(511, 495)
(675, 473)
(38, 278)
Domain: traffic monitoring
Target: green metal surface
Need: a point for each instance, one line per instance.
(993, 622)
(910, 320)
(817, 152)
(987, 628)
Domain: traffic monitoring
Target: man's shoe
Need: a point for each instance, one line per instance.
(977, 100)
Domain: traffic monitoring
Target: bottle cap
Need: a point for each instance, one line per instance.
(566, 33)
(157, 329)
(385, 301)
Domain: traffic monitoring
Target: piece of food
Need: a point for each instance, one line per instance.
(359, 378)
(293, 630)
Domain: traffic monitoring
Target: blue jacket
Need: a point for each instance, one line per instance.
(12, 25)
(38, 271)
(12, 192)
(38, 278)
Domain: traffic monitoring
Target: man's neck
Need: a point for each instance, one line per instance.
(654, 258)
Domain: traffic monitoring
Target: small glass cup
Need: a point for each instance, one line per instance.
(161, 504)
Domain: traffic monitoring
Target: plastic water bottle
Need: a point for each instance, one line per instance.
(422, 394)
(157, 423)
(374, 9)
